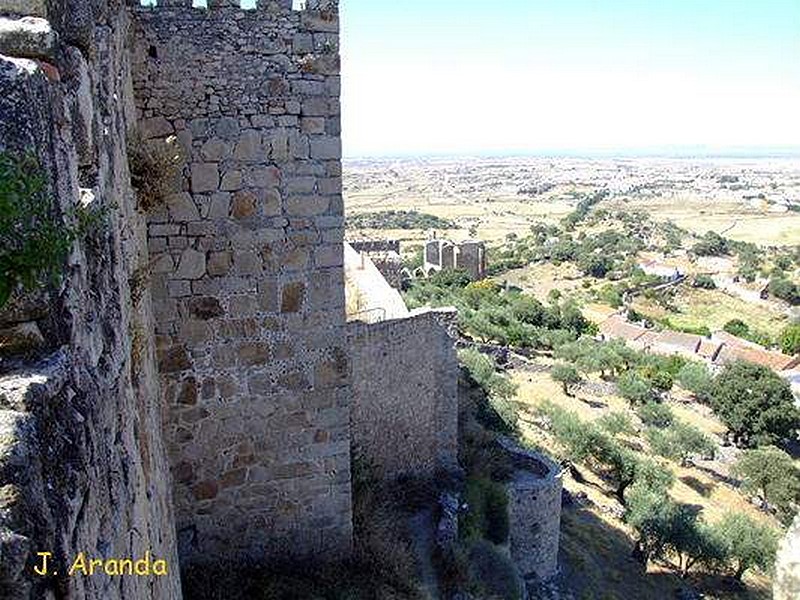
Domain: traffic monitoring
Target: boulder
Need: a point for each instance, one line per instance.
(28, 37)
(22, 338)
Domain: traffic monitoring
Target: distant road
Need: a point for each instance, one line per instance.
(727, 229)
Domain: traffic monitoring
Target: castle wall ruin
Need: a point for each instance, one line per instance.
(534, 507)
(404, 418)
(469, 256)
(196, 389)
(248, 275)
(82, 464)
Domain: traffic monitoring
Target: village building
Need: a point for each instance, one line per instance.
(617, 328)
(662, 270)
(676, 342)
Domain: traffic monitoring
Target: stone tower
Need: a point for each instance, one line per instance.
(247, 274)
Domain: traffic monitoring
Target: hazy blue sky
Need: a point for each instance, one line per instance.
(464, 76)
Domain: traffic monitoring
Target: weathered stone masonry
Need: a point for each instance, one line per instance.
(82, 462)
(405, 394)
(248, 281)
(196, 371)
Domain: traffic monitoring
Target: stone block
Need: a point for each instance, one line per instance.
(227, 128)
(182, 207)
(303, 43)
(243, 306)
(188, 392)
(179, 289)
(251, 354)
(312, 125)
(205, 177)
(279, 145)
(244, 205)
(205, 308)
(315, 107)
(174, 360)
(292, 297)
(268, 295)
(263, 177)
(231, 181)
(326, 148)
(206, 490)
(28, 37)
(215, 150)
(247, 263)
(273, 205)
(155, 127)
(306, 206)
(301, 185)
(219, 263)
(330, 255)
(219, 206)
(31, 8)
(250, 148)
(192, 265)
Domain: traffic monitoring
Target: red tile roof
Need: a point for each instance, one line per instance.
(617, 328)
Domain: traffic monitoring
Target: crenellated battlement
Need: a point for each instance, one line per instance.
(269, 6)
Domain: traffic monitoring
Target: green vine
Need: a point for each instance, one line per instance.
(34, 241)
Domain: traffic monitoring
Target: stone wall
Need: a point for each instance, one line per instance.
(786, 581)
(405, 394)
(376, 246)
(534, 506)
(248, 275)
(82, 463)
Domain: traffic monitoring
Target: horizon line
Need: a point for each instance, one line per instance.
(654, 152)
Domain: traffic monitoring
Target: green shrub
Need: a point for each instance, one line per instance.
(616, 423)
(655, 414)
(398, 219)
(747, 544)
(679, 441)
(755, 403)
(494, 572)
(696, 378)
(790, 339)
(487, 514)
(737, 327)
(34, 241)
(704, 282)
(781, 287)
(741, 329)
(711, 244)
(567, 375)
(501, 412)
(635, 389)
(771, 473)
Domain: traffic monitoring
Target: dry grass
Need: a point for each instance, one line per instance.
(698, 416)
(740, 221)
(493, 218)
(596, 543)
(539, 279)
(714, 308)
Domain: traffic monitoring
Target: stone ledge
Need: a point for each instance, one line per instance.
(24, 386)
(26, 8)
(28, 37)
